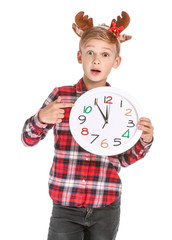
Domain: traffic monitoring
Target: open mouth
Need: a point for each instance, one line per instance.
(95, 71)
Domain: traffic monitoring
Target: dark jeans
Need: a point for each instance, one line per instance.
(72, 223)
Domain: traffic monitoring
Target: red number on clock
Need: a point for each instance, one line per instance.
(84, 131)
(108, 100)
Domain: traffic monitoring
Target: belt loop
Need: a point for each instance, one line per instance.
(89, 212)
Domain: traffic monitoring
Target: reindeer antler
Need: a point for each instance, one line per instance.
(124, 21)
(119, 25)
(82, 23)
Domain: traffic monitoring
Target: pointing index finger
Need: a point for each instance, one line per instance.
(66, 105)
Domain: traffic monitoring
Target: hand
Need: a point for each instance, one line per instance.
(146, 125)
(53, 112)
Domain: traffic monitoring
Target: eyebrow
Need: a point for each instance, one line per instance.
(87, 46)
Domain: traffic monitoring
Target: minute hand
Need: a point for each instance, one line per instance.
(101, 112)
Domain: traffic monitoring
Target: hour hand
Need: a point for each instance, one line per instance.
(107, 113)
(107, 116)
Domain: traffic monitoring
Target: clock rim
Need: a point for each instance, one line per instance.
(125, 95)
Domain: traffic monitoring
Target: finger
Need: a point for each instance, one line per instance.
(58, 100)
(60, 111)
(59, 121)
(63, 105)
(60, 116)
(145, 129)
(60, 105)
(144, 123)
(66, 105)
(145, 119)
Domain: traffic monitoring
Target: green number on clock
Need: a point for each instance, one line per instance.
(87, 109)
(126, 134)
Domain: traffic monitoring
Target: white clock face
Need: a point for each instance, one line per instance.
(104, 120)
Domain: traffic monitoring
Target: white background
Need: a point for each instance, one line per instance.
(37, 53)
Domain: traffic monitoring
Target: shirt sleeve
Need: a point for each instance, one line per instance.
(33, 130)
(137, 152)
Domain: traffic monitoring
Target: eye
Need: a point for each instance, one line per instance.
(105, 54)
(90, 52)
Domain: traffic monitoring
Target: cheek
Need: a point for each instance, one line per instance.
(85, 63)
(108, 66)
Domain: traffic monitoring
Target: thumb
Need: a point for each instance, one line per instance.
(58, 100)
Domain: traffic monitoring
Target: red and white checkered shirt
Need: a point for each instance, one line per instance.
(79, 178)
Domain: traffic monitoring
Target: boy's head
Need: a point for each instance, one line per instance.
(97, 57)
(99, 47)
(100, 33)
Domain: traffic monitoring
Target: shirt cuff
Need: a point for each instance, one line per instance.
(144, 144)
(38, 123)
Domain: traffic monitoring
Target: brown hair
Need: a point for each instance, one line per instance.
(100, 33)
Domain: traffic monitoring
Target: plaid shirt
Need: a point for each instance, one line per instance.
(77, 177)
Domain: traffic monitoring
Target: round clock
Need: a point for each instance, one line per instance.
(104, 120)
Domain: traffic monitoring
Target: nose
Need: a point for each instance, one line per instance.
(96, 60)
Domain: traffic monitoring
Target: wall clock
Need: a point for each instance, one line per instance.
(104, 120)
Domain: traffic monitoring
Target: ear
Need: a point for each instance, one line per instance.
(79, 57)
(117, 62)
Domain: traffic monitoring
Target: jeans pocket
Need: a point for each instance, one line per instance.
(115, 204)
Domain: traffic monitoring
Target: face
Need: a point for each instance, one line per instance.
(97, 58)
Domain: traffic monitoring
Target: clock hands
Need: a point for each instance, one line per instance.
(107, 115)
(107, 112)
(96, 102)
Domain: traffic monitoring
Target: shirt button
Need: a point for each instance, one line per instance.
(83, 180)
(87, 159)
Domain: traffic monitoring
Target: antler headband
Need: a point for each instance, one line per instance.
(84, 23)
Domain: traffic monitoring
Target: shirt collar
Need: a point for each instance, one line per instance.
(81, 88)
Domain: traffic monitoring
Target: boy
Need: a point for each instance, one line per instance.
(80, 209)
